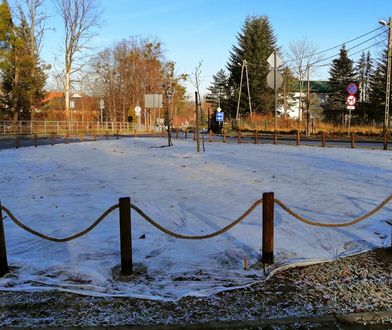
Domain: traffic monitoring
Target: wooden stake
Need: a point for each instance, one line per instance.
(224, 136)
(125, 236)
(210, 136)
(323, 139)
(239, 136)
(352, 140)
(17, 142)
(275, 137)
(298, 138)
(385, 140)
(35, 140)
(3, 251)
(255, 137)
(268, 228)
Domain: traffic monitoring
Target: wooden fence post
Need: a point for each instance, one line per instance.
(239, 137)
(35, 140)
(17, 142)
(125, 236)
(52, 137)
(255, 136)
(177, 133)
(298, 138)
(385, 140)
(210, 136)
(186, 133)
(275, 137)
(323, 139)
(118, 135)
(3, 252)
(107, 135)
(67, 138)
(352, 140)
(268, 228)
(224, 136)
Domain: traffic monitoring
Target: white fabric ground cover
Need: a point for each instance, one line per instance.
(60, 190)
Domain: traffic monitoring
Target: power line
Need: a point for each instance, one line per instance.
(348, 49)
(340, 45)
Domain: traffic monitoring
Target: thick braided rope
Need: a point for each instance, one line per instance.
(345, 224)
(196, 237)
(54, 239)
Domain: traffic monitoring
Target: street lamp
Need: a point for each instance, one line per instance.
(388, 89)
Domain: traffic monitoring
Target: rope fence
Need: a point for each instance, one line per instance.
(125, 206)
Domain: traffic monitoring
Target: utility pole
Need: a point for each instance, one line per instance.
(308, 102)
(197, 123)
(388, 90)
(244, 67)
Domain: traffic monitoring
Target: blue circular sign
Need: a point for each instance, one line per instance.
(352, 89)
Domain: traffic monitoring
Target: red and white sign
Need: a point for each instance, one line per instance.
(351, 100)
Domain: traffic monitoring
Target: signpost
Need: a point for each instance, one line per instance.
(220, 116)
(351, 101)
(137, 114)
(275, 80)
(101, 107)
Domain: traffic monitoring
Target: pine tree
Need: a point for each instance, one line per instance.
(341, 74)
(364, 70)
(378, 88)
(256, 42)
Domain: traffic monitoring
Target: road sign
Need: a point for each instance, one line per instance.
(274, 58)
(153, 100)
(270, 79)
(351, 107)
(137, 111)
(351, 100)
(219, 109)
(352, 88)
(220, 116)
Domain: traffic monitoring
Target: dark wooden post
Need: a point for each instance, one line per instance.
(177, 133)
(323, 139)
(275, 137)
(352, 140)
(118, 133)
(17, 142)
(35, 140)
(107, 135)
(186, 134)
(125, 236)
(210, 135)
(224, 135)
(255, 136)
(52, 137)
(239, 137)
(67, 138)
(298, 138)
(385, 140)
(3, 252)
(268, 228)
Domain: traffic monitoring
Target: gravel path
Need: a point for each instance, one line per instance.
(360, 283)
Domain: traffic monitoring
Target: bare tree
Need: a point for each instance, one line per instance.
(301, 57)
(81, 18)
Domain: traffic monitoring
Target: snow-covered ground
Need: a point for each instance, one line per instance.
(59, 190)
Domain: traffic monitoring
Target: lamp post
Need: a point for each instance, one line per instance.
(388, 88)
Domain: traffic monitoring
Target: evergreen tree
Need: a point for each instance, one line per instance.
(364, 69)
(256, 42)
(341, 74)
(378, 88)
(219, 96)
(22, 75)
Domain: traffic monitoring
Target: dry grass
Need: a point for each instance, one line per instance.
(266, 123)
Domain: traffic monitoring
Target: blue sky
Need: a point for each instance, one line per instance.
(195, 30)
